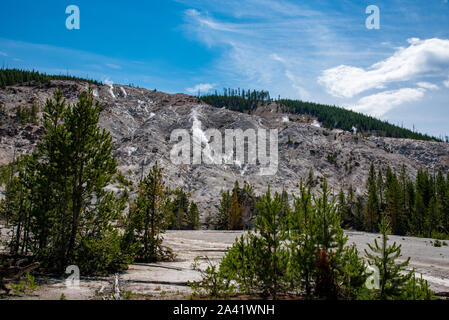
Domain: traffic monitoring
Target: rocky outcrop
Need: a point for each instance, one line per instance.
(141, 122)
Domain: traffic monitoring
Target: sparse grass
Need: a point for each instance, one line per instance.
(25, 286)
(438, 243)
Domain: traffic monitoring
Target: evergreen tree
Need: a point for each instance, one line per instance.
(372, 206)
(380, 188)
(303, 231)
(92, 168)
(272, 234)
(180, 208)
(442, 190)
(418, 289)
(258, 261)
(241, 263)
(9, 77)
(344, 209)
(329, 116)
(418, 216)
(247, 201)
(70, 215)
(149, 218)
(393, 205)
(351, 203)
(393, 276)
(235, 211)
(432, 221)
(330, 244)
(308, 254)
(359, 214)
(222, 221)
(311, 179)
(16, 207)
(285, 211)
(406, 207)
(193, 217)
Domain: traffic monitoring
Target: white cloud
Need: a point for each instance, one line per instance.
(423, 57)
(252, 8)
(428, 85)
(256, 53)
(301, 92)
(379, 104)
(275, 57)
(113, 66)
(202, 87)
(446, 83)
(3, 54)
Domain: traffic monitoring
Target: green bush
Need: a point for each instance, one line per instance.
(395, 281)
(213, 283)
(304, 252)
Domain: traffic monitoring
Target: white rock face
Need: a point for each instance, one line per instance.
(141, 123)
(316, 124)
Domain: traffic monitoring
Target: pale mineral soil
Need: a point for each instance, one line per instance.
(168, 280)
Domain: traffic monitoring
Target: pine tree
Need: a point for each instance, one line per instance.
(311, 179)
(418, 289)
(242, 263)
(442, 190)
(16, 207)
(393, 276)
(330, 244)
(359, 214)
(222, 220)
(150, 216)
(373, 205)
(258, 261)
(305, 255)
(285, 210)
(432, 221)
(380, 188)
(417, 223)
(247, 203)
(320, 261)
(351, 202)
(272, 234)
(71, 215)
(92, 167)
(393, 205)
(235, 211)
(344, 209)
(302, 233)
(180, 208)
(33, 113)
(406, 207)
(193, 217)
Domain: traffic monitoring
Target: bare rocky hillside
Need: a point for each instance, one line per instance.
(141, 122)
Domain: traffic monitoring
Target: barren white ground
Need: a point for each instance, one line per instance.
(168, 280)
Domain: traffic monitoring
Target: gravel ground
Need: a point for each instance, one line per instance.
(169, 279)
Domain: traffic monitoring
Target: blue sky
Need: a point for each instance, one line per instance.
(317, 50)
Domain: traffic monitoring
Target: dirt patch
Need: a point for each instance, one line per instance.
(168, 280)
